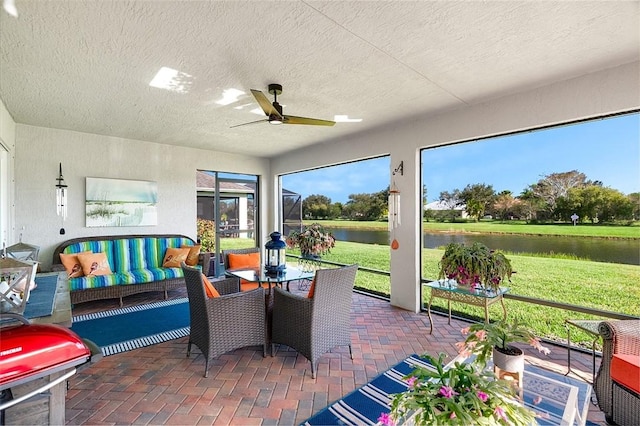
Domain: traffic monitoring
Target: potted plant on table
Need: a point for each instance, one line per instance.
(460, 395)
(495, 339)
(475, 266)
(313, 241)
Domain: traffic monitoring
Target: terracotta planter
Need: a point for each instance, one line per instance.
(506, 362)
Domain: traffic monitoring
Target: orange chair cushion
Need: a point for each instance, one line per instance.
(244, 261)
(72, 264)
(94, 264)
(625, 370)
(192, 257)
(312, 289)
(209, 288)
(173, 257)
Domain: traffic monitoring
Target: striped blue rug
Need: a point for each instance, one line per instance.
(363, 406)
(545, 392)
(134, 327)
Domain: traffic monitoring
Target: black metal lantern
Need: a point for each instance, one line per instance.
(275, 254)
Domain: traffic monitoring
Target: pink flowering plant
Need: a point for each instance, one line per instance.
(475, 266)
(313, 239)
(482, 338)
(459, 395)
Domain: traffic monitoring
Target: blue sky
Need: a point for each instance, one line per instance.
(607, 150)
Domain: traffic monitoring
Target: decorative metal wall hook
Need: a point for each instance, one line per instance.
(399, 169)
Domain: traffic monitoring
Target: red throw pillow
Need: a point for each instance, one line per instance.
(209, 288)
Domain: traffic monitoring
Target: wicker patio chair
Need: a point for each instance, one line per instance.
(221, 324)
(313, 326)
(619, 404)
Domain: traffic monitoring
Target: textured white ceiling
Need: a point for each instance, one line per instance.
(86, 65)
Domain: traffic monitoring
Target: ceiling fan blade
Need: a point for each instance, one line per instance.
(264, 103)
(292, 119)
(251, 122)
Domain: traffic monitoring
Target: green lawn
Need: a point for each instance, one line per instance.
(513, 227)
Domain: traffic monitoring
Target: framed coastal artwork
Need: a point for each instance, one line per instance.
(121, 202)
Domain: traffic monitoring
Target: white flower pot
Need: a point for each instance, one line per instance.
(510, 363)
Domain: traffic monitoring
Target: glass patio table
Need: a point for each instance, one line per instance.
(452, 292)
(260, 275)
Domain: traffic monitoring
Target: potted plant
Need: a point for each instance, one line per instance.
(314, 240)
(474, 266)
(495, 339)
(461, 395)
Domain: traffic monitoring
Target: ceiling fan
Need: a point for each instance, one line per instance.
(274, 114)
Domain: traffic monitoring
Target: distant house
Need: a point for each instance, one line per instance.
(443, 208)
(237, 201)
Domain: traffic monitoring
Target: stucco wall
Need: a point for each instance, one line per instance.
(605, 92)
(39, 150)
(7, 166)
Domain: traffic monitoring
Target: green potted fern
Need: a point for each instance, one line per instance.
(475, 266)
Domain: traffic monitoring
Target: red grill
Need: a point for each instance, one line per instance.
(32, 351)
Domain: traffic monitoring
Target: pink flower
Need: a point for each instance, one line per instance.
(411, 381)
(386, 419)
(537, 400)
(465, 331)
(452, 415)
(499, 412)
(483, 396)
(447, 391)
(481, 334)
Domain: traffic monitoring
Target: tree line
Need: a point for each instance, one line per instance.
(555, 197)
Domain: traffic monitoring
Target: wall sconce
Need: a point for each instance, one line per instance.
(61, 198)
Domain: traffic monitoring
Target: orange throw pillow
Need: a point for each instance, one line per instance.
(244, 261)
(72, 265)
(94, 264)
(192, 257)
(173, 257)
(209, 288)
(312, 289)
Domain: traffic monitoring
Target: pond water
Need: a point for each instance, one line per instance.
(597, 249)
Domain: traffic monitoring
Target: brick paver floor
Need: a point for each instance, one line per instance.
(160, 385)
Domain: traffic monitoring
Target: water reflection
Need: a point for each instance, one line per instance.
(597, 249)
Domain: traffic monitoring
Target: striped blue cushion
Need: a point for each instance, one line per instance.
(84, 283)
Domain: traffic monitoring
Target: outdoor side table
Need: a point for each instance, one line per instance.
(589, 326)
(452, 292)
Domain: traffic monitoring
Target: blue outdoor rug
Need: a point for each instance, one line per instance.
(545, 392)
(134, 327)
(42, 298)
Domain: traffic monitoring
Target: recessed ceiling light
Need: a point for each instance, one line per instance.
(345, 119)
(174, 80)
(229, 96)
(10, 8)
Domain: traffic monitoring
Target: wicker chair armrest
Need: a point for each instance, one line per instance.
(623, 336)
(227, 285)
(204, 260)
